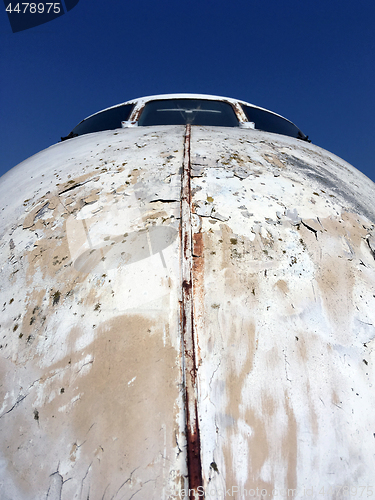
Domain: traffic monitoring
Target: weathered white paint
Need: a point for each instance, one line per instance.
(284, 303)
(90, 291)
(91, 356)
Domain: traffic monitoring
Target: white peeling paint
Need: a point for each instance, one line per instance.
(92, 369)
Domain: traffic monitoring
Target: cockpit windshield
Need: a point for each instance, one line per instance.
(109, 119)
(269, 122)
(192, 110)
(188, 111)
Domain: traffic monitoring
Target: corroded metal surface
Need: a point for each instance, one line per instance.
(285, 314)
(186, 310)
(91, 400)
(187, 329)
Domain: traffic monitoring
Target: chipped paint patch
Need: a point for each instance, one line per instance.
(86, 326)
(289, 280)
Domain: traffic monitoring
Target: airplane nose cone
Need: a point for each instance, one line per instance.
(185, 307)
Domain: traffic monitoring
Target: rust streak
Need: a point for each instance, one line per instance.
(187, 330)
(198, 287)
(137, 114)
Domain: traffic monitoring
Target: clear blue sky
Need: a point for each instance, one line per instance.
(311, 61)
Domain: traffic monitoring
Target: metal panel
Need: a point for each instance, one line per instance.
(186, 309)
(91, 392)
(284, 311)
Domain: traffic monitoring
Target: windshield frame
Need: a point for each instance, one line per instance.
(138, 106)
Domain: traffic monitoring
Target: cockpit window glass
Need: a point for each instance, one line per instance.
(109, 119)
(264, 120)
(185, 111)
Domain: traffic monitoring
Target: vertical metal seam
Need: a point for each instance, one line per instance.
(187, 330)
